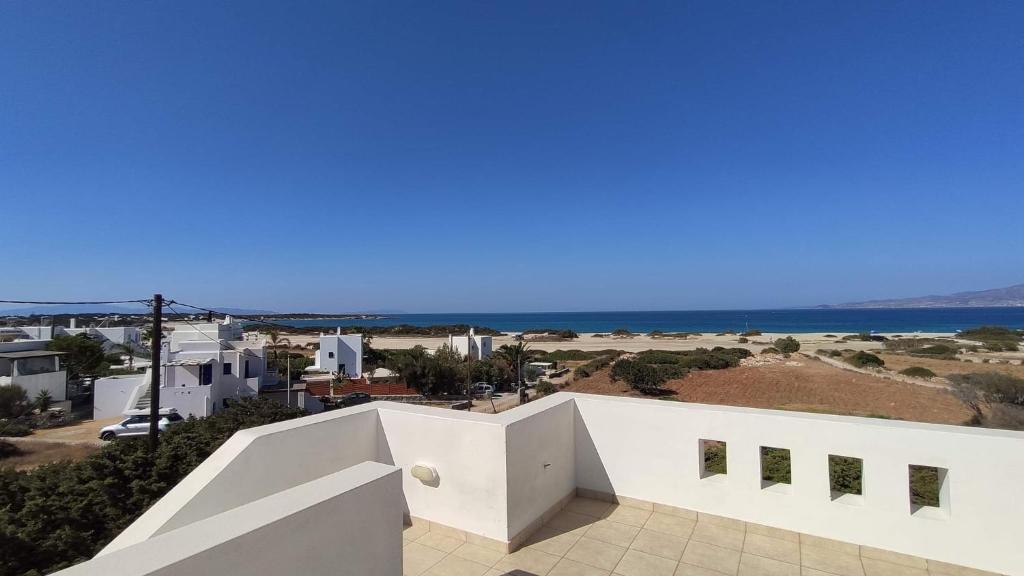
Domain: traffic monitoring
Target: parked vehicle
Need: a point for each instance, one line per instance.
(350, 399)
(138, 425)
(482, 389)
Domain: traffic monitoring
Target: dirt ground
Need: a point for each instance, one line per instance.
(86, 430)
(897, 362)
(811, 387)
(35, 453)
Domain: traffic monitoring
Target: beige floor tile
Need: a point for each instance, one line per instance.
(612, 533)
(415, 531)
(659, 544)
(447, 531)
(417, 558)
(437, 541)
(722, 521)
(666, 524)
(830, 561)
(944, 569)
(479, 554)
(805, 571)
(675, 511)
(894, 557)
(567, 521)
(566, 567)
(829, 544)
(773, 548)
(718, 535)
(751, 565)
(712, 557)
(553, 541)
(773, 532)
(527, 561)
(684, 569)
(589, 507)
(873, 567)
(628, 515)
(637, 563)
(596, 553)
(455, 566)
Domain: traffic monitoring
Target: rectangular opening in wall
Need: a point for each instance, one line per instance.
(929, 491)
(776, 469)
(713, 461)
(846, 478)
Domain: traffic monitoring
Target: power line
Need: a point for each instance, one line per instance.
(207, 336)
(140, 301)
(247, 318)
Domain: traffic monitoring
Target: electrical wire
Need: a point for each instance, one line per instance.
(141, 301)
(225, 343)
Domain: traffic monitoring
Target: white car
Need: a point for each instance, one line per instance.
(483, 389)
(138, 425)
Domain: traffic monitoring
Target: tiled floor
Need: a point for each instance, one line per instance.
(596, 538)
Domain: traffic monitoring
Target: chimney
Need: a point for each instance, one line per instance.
(339, 330)
(73, 323)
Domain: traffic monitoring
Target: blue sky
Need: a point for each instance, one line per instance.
(518, 156)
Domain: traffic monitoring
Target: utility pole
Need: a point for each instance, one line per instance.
(469, 368)
(154, 383)
(288, 378)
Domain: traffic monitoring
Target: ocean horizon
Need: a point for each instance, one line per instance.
(784, 320)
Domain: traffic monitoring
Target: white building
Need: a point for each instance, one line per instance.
(594, 484)
(109, 336)
(203, 366)
(339, 353)
(27, 363)
(481, 345)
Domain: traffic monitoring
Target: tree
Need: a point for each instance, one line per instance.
(83, 355)
(129, 350)
(13, 401)
(276, 340)
(515, 355)
(787, 345)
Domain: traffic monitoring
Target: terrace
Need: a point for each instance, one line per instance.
(580, 484)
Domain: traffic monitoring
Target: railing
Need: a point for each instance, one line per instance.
(498, 474)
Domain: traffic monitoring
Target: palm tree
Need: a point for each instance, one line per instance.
(129, 350)
(276, 340)
(515, 355)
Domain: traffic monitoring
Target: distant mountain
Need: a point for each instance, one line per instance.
(1009, 296)
(57, 309)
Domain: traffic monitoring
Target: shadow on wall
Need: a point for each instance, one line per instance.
(384, 456)
(590, 471)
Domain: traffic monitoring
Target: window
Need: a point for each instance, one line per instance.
(227, 368)
(846, 478)
(174, 417)
(776, 468)
(713, 460)
(330, 354)
(206, 374)
(929, 491)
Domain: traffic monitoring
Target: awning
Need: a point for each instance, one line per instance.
(189, 362)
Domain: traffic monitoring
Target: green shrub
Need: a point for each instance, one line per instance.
(918, 372)
(14, 428)
(924, 486)
(751, 333)
(776, 465)
(862, 359)
(845, 474)
(995, 338)
(770, 350)
(992, 386)
(743, 340)
(715, 457)
(544, 388)
(13, 401)
(787, 345)
(621, 332)
(645, 378)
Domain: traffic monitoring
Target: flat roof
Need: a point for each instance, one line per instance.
(30, 354)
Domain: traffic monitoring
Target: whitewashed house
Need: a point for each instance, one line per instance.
(203, 367)
(339, 353)
(111, 337)
(27, 363)
(477, 346)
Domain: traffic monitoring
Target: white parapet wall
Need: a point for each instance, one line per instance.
(346, 523)
(497, 475)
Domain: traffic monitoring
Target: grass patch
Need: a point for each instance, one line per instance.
(918, 372)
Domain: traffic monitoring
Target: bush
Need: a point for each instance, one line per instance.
(621, 332)
(787, 345)
(995, 338)
(751, 333)
(63, 513)
(918, 372)
(770, 350)
(13, 401)
(645, 378)
(863, 359)
(992, 386)
(743, 340)
(14, 428)
(544, 388)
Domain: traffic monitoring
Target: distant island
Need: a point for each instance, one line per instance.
(996, 297)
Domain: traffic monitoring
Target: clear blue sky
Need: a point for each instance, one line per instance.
(531, 156)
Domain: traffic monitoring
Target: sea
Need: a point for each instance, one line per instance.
(907, 320)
